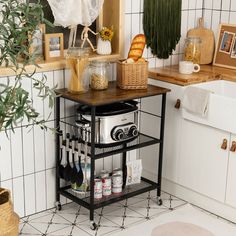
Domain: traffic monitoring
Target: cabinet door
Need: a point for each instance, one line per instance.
(202, 164)
(172, 130)
(231, 180)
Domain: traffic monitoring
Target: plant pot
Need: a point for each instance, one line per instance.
(104, 47)
(9, 221)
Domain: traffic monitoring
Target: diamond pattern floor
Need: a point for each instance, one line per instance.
(73, 219)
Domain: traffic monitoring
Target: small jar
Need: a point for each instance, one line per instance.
(192, 49)
(77, 61)
(99, 75)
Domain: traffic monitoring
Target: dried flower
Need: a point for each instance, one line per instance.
(106, 34)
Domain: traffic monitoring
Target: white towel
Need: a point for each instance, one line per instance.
(196, 100)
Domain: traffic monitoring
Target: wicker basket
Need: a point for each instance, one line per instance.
(132, 75)
(9, 221)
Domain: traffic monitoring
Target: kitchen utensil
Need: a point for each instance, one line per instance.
(86, 138)
(68, 169)
(208, 41)
(80, 178)
(74, 173)
(61, 167)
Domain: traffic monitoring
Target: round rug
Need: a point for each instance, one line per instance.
(180, 229)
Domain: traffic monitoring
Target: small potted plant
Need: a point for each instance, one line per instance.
(104, 41)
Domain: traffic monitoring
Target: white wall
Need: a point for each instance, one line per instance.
(219, 11)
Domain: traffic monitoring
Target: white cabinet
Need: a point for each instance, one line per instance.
(193, 154)
(172, 130)
(231, 180)
(202, 164)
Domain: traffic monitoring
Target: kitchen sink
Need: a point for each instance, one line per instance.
(220, 87)
(222, 106)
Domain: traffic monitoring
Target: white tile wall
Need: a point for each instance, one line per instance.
(219, 11)
(27, 156)
(27, 162)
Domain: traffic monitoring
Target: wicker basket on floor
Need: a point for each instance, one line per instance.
(132, 75)
(9, 221)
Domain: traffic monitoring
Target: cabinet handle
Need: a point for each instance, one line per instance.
(177, 104)
(224, 144)
(233, 147)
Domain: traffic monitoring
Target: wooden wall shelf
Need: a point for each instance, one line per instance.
(112, 15)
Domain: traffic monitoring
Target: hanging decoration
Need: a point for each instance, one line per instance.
(162, 26)
(70, 13)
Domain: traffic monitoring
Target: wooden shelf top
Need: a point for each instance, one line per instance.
(171, 74)
(111, 95)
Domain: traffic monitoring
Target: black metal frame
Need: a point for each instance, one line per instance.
(91, 205)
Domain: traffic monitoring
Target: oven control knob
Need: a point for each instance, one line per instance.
(119, 135)
(133, 132)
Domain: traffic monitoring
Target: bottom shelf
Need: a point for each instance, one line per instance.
(129, 191)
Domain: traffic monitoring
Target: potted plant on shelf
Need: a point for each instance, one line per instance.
(19, 20)
(104, 41)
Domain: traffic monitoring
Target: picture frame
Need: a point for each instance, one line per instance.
(37, 45)
(233, 52)
(54, 47)
(225, 52)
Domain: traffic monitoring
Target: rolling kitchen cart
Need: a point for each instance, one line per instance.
(94, 99)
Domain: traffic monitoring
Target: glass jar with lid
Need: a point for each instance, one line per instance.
(192, 49)
(77, 62)
(99, 75)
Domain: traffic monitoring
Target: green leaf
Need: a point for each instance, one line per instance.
(19, 19)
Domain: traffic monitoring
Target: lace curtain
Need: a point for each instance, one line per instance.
(74, 12)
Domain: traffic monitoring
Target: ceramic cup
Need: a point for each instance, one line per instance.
(187, 67)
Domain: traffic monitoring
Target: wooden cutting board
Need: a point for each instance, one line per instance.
(208, 41)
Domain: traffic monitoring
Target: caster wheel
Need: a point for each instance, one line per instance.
(159, 202)
(93, 225)
(58, 206)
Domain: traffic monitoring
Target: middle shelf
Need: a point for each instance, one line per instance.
(141, 141)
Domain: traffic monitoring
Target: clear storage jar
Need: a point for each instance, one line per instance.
(77, 62)
(192, 49)
(99, 75)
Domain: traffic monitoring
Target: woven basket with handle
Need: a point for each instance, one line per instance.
(132, 75)
(9, 221)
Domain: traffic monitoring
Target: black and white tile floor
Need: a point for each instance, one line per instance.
(73, 220)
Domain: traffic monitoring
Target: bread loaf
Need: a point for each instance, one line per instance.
(137, 47)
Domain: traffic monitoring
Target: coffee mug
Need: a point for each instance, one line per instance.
(187, 67)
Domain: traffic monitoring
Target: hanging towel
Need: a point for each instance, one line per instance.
(196, 100)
